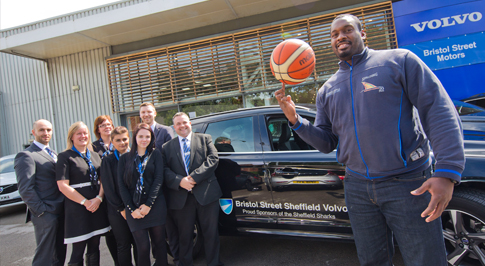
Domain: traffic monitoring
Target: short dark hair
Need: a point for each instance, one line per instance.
(147, 104)
(118, 131)
(180, 114)
(356, 19)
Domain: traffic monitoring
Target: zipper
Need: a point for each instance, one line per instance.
(353, 115)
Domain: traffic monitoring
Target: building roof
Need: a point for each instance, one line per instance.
(137, 24)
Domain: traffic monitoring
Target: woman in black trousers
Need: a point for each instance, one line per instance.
(103, 125)
(140, 178)
(116, 209)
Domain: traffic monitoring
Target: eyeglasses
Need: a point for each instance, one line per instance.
(104, 125)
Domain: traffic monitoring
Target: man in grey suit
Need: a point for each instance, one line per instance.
(190, 162)
(36, 177)
(162, 133)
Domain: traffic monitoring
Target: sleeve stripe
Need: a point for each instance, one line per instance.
(449, 171)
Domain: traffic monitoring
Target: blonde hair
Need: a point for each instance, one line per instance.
(72, 130)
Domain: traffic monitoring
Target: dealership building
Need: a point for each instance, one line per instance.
(206, 56)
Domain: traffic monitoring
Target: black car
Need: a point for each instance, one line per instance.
(276, 184)
(472, 119)
(477, 99)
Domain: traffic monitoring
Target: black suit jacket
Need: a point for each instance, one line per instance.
(162, 135)
(36, 177)
(203, 163)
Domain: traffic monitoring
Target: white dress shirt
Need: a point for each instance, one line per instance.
(42, 147)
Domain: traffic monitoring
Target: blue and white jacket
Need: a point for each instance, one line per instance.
(381, 113)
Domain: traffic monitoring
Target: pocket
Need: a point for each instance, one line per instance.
(410, 178)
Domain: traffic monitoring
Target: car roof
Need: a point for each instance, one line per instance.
(271, 109)
(7, 157)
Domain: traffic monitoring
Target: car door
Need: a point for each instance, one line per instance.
(240, 174)
(306, 184)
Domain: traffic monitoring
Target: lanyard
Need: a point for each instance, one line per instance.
(92, 170)
(108, 151)
(141, 166)
(117, 154)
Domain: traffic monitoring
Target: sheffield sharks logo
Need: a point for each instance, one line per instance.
(371, 87)
(226, 205)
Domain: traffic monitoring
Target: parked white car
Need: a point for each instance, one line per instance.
(9, 193)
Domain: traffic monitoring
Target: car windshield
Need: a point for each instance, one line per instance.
(6, 166)
(466, 108)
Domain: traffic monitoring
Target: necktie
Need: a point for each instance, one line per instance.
(51, 153)
(186, 154)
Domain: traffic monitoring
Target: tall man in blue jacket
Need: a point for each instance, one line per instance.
(382, 110)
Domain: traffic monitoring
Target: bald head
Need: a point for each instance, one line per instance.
(42, 131)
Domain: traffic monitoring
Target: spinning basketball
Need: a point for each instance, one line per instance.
(292, 61)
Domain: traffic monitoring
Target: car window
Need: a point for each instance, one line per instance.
(235, 135)
(467, 108)
(6, 166)
(283, 138)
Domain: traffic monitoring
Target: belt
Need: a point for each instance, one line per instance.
(81, 185)
(418, 174)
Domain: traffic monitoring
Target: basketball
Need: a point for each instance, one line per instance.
(292, 61)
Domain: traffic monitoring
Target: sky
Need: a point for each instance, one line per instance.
(14, 13)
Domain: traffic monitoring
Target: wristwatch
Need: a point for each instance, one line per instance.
(99, 197)
(453, 181)
(83, 201)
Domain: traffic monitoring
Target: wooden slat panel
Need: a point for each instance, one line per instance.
(235, 63)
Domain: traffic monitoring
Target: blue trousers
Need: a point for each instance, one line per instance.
(380, 210)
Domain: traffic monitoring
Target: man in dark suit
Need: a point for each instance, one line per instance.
(36, 177)
(162, 133)
(190, 162)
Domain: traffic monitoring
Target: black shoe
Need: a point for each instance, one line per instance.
(92, 259)
(75, 264)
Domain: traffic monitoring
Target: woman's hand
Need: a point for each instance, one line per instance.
(144, 209)
(137, 215)
(123, 213)
(92, 205)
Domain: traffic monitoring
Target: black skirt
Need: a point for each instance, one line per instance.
(81, 224)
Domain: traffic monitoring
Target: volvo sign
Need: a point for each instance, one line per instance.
(447, 21)
(440, 23)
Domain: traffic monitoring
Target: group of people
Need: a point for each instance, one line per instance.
(135, 196)
(381, 111)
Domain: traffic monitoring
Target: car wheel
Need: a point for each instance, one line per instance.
(464, 228)
(198, 242)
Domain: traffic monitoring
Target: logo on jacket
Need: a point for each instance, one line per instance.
(371, 87)
(226, 205)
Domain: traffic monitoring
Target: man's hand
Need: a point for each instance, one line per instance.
(286, 104)
(123, 213)
(441, 190)
(187, 183)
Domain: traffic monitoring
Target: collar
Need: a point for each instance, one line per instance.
(40, 145)
(153, 126)
(356, 59)
(189, 137)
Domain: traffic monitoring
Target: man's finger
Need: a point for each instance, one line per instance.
(423, 188)
(433, 204)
